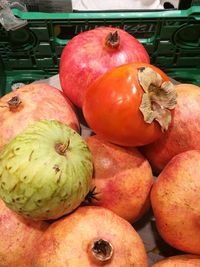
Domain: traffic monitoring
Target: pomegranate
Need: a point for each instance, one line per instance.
(31, 103)
(91, 236)
(18, 238)
(92, 53)
(175, 201)
(122, 179)
(179, 261)
(183, 133)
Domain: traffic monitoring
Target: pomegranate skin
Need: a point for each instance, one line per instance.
(30, 103)
(174, 198)
(179, 261)
(184, 132)
(18, 238)
(87, 56)
(70, 241)
(122, 179)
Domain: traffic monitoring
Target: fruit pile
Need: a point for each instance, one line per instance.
(71, 201)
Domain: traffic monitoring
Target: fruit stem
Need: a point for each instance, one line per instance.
(14, 103)
(112, 40)
(102, 250)
(61, 149)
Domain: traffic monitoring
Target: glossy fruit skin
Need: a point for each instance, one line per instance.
(122, 179)
(38, 102)
(186, 260)
(174, 198)
(67, 242)
(19, 238)
(111, 107)
(86, 57)
(183, 133)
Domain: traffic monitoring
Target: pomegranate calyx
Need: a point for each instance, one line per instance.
(61, 148)
(14, 103)
(158, 99)
(112, 40)
(102, 250)
(91, 195)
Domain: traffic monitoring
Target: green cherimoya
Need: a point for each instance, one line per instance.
(45, 172)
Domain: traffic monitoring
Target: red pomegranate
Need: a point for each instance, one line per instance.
(121, 181)
(175, 199)
(186, 260)
(18, 238)
(31, 103)
(91, 236)
(92, 53)
(184, 132)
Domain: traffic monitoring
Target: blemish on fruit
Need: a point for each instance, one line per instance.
(30, 156)
(13, 188)
(59, 178)
(56, 168)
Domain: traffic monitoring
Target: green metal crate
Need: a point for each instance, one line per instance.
(172, 39)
